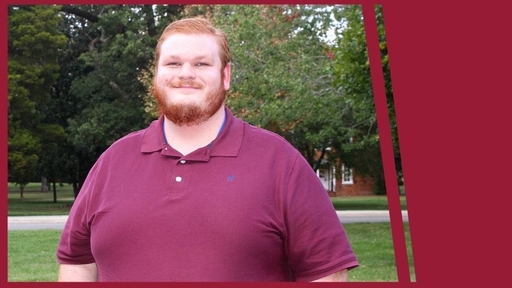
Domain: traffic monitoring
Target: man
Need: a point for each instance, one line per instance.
(201, 195)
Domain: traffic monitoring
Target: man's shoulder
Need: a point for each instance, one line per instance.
(267, 139)
(134, 136)
(132, 140)
(251, 130)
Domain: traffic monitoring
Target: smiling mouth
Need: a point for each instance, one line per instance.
(186, 85)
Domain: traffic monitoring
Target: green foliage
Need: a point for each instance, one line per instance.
(34, 44)
(22, 157)
(353, 79)
(33, 40)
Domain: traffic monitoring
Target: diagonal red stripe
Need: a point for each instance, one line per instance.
(386, 143)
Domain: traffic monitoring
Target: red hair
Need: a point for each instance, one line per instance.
(196, 25)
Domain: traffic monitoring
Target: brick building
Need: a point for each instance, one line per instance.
(339, 180)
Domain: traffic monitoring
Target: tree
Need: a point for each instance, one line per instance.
(354, 80)
(32, 69)
(22, 158)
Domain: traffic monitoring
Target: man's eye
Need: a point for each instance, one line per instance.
(202, 64)
(173, 64)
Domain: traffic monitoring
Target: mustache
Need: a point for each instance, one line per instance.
(185, 83)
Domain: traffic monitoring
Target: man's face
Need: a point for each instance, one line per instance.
(189, 86)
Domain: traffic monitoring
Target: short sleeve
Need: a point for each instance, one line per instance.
(317, 244)
(75, 245)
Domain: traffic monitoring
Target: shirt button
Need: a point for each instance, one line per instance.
(183, 161)
(178, 179)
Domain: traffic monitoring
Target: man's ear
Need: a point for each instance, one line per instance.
(227, 76)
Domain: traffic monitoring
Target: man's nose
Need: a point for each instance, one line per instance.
(186, 71)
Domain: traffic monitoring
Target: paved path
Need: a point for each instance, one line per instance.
(362, 216)
(57, 222)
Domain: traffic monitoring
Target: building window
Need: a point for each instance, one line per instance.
(327, 177)
(347, 176)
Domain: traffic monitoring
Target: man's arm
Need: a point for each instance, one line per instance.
(340, 276)
(78, 273)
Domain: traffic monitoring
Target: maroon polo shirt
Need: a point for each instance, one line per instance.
(248, 207)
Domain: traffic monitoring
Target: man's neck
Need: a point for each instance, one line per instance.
(186, 139)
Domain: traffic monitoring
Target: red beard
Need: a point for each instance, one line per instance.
(190, 114)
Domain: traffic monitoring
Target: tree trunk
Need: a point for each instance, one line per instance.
(22, 188)
(54, 192)
(75, 189)
(44, 184)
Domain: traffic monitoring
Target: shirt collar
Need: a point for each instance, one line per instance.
(227, 143)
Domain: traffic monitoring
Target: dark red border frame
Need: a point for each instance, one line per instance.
(450, 65)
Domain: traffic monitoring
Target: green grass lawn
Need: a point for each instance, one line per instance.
(35, 202)
(31, 254)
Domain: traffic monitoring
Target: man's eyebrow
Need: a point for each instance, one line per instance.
(200, 57)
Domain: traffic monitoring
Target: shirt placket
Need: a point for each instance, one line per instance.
(179, 178)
